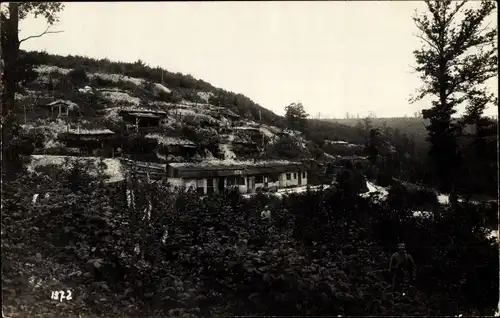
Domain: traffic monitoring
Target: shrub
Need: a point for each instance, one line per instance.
(78, 77)
(384, 178)
(321, 254)
(172, 97)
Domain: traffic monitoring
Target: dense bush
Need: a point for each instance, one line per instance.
(322, 253)
(134, 144)
(351, 181)
(286, 148)
(383, 178)
(78, 77)
(414, 198)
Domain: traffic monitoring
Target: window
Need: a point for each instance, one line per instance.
(259, 179)
(289, 176)
(303, 174)
(295, 175)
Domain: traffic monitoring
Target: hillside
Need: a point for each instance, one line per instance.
(323, 252)
(197, 119)
(180, 87)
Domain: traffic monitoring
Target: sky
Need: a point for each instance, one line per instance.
(332, 56)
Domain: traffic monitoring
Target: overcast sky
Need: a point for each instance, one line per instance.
(334, 57)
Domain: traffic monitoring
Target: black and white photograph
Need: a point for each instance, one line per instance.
(249, 158)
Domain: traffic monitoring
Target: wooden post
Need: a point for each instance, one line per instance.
(147, 172)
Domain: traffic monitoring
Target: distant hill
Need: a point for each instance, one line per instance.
(408, 125)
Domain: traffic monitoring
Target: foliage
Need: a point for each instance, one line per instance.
(372, 148)
(286, 148)
(458, 56)
(78, 77)
(16, 68)
(479, 171)
(394, 125)
(135, 144)
(182, 86)
(315, 151)
(321, 130)
(317, 172)
(48, 10)
(351, 181)
(219, 257)
(25, 73)
(296, 116)
(404, 197)
(383, 178)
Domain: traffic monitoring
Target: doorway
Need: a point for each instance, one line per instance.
(221, 186)
(210, 185)
(300, 178)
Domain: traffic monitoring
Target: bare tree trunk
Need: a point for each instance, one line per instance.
(10, 52)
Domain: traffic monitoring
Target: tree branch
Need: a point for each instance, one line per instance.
(39, 35)
(455, 11)
(421, 37)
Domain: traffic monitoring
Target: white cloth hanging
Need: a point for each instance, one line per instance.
(35, 197)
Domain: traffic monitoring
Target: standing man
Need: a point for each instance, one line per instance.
(401, 261)
(266, 214)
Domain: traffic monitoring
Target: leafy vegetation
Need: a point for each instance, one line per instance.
(322, 253)
(141, 249)
(183, 87)
(457, 57)
(296, 116)
(16, 68)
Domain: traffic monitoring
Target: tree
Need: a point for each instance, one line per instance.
(296, 116)
(367, 123)
(78, 77)
(373, 144)
(10, 15)
(457, 57)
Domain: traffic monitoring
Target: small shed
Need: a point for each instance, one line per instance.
(88, 141)
(142, 118)
(60, 108)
